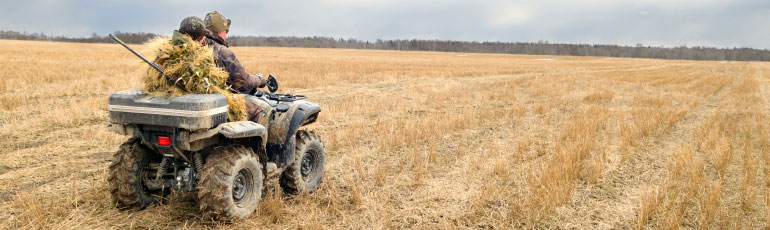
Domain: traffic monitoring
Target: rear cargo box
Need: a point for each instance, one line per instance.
(191, 111)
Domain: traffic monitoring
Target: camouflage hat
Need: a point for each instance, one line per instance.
(216, 22)
(192, 26)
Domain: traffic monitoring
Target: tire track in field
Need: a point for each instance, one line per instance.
(94, 162)
(764, 87)
(614, 200)
(5, 195)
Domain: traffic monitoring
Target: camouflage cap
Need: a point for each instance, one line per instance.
(192, 26)
(216, 22)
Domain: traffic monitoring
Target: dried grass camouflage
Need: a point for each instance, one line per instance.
(192, 64)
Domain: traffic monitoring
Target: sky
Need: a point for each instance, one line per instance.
(714, 23)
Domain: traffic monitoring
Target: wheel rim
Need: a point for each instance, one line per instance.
(146, 174)
(242, 187)
(308, 163)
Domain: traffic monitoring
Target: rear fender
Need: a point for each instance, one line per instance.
(235, 130)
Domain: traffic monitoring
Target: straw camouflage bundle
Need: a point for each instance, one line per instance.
(193, 65)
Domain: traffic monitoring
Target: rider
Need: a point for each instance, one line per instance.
(217, 28)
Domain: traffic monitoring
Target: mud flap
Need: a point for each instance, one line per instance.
(281, 154)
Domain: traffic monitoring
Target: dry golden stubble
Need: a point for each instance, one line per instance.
(420, 108)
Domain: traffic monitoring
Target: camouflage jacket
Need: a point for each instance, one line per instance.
(223, 57)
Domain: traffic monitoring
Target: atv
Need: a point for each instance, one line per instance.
(185, 143)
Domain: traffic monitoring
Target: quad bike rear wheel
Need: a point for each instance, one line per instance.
(231, 183)
(128, 172)
(305, 172)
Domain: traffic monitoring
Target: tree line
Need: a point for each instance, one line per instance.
(131, 38)
(534, 48)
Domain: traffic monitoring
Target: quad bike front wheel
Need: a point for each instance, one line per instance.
(231, 183)
(305, 171)
(128, 172)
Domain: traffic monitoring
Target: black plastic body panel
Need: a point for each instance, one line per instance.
(281, 154)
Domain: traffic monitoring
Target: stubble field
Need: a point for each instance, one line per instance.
(423, 140)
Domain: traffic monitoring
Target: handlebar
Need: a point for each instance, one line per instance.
(279, 97)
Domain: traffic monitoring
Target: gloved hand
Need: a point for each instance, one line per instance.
(261, 80)
(272, 83)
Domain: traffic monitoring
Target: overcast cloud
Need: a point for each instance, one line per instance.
(720, 23)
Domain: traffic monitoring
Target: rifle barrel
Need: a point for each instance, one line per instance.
(153, 65)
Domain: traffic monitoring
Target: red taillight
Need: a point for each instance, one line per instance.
(164, 140)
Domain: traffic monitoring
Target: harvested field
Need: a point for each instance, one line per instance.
(423, 140)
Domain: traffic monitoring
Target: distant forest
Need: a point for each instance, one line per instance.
(535, 48)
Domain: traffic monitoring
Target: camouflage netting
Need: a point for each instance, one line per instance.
(193, 65)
